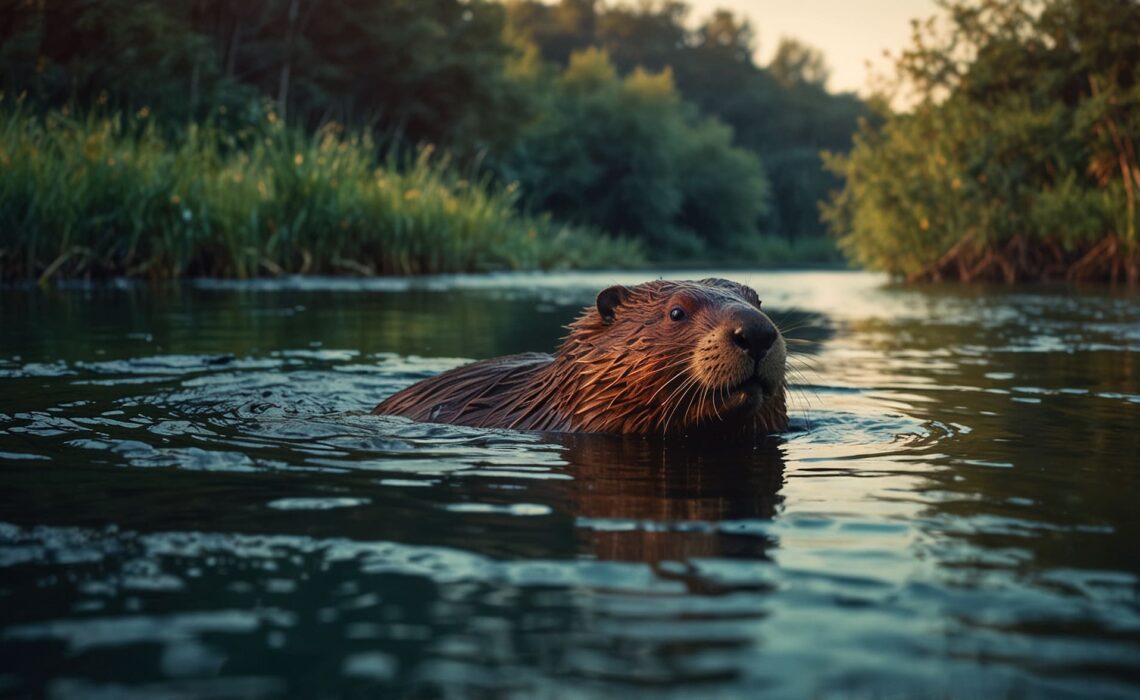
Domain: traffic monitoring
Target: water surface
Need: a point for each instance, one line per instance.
(195, 503)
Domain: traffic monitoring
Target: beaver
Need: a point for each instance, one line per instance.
(662, 357)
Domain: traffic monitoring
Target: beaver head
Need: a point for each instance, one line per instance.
(673, 356)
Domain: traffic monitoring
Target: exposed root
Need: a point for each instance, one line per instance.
(1022, 259)
(59, 262)
(352, 265)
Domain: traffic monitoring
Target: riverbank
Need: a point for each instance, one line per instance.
(1018, 165)
(100, 197)
(113, 196)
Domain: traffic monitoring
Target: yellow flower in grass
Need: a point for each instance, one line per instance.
(411, 195)
(299, 160)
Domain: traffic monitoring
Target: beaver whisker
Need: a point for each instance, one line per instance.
(672, 365)
(709, 393)
(794, 327)
(803, 379)
(689, 383)
(675, 399)
(696, 403)
(667, 381)
(716, 411)
(701, 410)
(807, 362)
(659, 369)
(705, 395)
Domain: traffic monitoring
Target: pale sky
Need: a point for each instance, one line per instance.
(848, 32)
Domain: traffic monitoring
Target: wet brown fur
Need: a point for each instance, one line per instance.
(634, 371)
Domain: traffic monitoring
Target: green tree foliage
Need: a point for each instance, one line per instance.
(796, 63)
(787, 118)
(626, 155)
(1020, 160)
(120, 53)
(677, 138)
(427, 70)
(423, 70)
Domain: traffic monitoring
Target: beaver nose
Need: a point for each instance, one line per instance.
(755, 336)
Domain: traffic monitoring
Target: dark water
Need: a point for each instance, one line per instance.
(195, 503)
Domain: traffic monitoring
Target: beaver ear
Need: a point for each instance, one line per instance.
(609, 299)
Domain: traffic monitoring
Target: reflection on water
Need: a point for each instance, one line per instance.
(194, 501)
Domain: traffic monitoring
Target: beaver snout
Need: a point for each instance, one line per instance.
(753, 333)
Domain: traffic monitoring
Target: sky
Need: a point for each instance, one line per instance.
(848, 32)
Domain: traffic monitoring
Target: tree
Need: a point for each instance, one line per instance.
(1020, 161)
(423, 70)
(796, 63)
(786, 124)
(119, 54)
(725, 33)
(628, 156)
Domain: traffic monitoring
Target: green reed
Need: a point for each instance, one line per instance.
(97, 196)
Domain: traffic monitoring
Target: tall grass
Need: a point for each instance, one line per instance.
(113, 196)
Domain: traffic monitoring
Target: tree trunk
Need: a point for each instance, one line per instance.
(286, 69)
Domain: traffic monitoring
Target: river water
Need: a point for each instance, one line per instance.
(195, 503)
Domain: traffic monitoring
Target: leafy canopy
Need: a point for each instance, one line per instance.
(1019, 160)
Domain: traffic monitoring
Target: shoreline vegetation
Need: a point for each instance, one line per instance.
(112, 196)
(197, 138)
(1020, 161)
(193, 137)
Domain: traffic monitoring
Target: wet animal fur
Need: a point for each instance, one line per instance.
(626, 367)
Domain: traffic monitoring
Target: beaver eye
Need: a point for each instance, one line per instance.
(677, 313)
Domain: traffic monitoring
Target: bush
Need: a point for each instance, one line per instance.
(1019, 163)
(626, 155)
